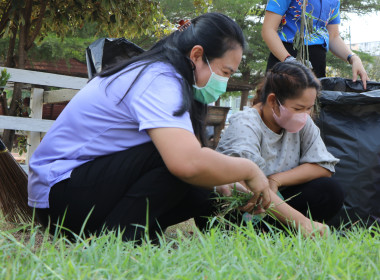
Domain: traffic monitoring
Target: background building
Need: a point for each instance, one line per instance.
(372, 48)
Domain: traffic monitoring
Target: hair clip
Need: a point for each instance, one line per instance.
(183, 25)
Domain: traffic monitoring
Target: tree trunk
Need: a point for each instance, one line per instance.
(217, 102)
(244, 99)
(10, 62)
(3, 101)
(9, 135)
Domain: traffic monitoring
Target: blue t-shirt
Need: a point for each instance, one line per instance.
(323, 12)
(95, 123)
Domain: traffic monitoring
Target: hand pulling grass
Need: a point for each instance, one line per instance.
(13, 188)
(226, 204)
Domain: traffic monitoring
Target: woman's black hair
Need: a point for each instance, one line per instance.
(215, 32)
(286, 80)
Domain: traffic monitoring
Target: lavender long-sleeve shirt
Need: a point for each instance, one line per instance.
(95, 123)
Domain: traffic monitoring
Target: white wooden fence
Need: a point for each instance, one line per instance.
(36, 126)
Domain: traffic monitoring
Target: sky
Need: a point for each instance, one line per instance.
(363, 28)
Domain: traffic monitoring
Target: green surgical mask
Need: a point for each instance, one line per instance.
(215, 87)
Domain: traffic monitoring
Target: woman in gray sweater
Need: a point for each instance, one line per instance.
(278, 134)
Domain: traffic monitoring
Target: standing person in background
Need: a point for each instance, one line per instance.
(283, 19)
(279, 135)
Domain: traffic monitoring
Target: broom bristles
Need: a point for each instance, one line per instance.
(13, 189)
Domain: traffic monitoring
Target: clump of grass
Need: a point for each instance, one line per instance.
(237, 199)
(227, 204)
(230, 205)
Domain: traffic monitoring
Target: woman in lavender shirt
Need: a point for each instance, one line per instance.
(127, 152)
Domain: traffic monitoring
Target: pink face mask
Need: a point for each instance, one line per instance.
(292, 122)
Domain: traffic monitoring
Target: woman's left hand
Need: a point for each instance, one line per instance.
(225, 190)
(340, 49)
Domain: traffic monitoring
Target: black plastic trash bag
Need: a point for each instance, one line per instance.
(349, 121)
(106, 51)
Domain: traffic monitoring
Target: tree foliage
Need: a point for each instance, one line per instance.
(175, 10)
(115, 17)
(26, 21)
(249, 15)
(339, 68)
(373, 69)
(359, 7)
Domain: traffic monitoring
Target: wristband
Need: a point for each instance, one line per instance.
(289, 58)
(350, 56)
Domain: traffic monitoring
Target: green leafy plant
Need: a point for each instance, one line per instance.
(4, 77)
(304, 33)
(22, 144)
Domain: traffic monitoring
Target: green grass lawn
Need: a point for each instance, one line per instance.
(185, 253)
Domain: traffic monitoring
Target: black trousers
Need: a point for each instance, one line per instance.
(317, 57)
(129, 190)
(321, 198)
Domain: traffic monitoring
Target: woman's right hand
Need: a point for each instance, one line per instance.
(358, 69)
(311, 228)
(259, 186)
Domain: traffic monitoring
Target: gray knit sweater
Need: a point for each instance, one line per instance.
(247, 136)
